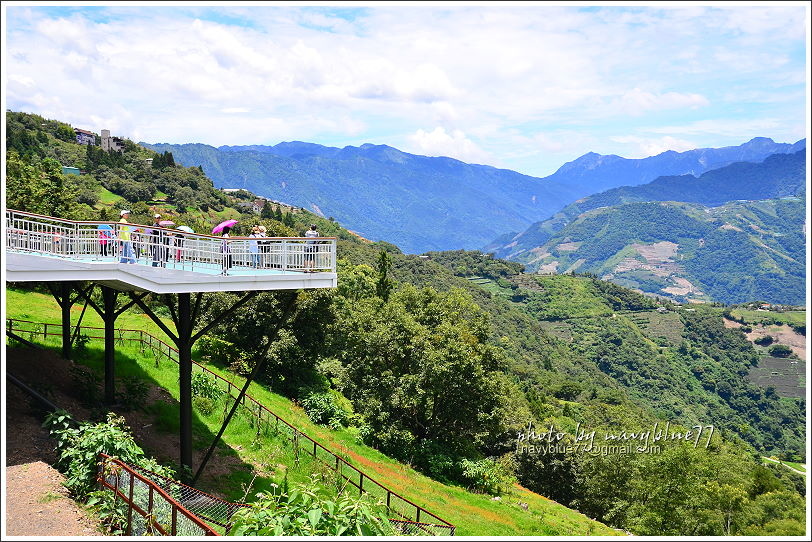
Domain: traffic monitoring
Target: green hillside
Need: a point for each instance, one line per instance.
(738, 252)
(456, 364)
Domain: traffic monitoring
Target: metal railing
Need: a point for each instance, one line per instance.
(163, 247)
(413, 514)
(151, 509)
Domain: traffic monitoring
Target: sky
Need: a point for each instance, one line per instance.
(523, 86)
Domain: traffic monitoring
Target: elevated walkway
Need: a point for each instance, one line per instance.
(47, 249)
(138, 260)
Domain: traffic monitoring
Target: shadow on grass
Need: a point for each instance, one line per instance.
(249, 458)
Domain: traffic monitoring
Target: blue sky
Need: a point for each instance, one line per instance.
(525, 86)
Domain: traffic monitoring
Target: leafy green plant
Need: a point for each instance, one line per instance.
(79, 448)
(134, 394)
(308, 510)
(80, 346)
(202, 404)
(87, 385)
(214, 349)
(327, 408)
(111, 512)
(780, 350)
(204, 385)
(488, 475)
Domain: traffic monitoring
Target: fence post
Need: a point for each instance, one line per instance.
(360, 483)
(174, 530)
(130, 504)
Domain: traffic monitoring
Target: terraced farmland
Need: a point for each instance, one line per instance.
(786, 375)
(667, 325)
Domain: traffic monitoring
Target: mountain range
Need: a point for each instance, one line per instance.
(732, 234)
(425, 203)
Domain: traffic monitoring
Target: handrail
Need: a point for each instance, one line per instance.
(109, 242)
(109, 476)
(336, 462)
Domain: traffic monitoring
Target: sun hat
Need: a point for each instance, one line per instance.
(262, 229)
(157, 216)
(124, 212)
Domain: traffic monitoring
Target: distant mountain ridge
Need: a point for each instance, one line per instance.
(426, 203)
(778, 176)
(595, 172)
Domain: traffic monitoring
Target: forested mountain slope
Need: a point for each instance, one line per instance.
(456, 362)
(426, 203)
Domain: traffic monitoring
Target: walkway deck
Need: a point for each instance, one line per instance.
(42, 249)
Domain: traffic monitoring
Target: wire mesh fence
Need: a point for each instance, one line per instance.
(399, 506)
(150, 508)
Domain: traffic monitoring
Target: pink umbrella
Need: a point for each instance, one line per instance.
(226, 224)
(166, 223)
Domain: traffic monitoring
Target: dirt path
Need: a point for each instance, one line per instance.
(28, 444)
(37, 504)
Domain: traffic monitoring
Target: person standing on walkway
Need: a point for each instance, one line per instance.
(310, 248)
(253, 246)
(264, 247)
(226, 251)
(125, 236)
(155, 241)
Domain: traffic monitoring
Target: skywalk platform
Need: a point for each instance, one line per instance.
(47, 249)
(174, 278)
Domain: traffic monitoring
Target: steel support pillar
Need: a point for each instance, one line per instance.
(184, 345)
(109, 297)
(184, 338)
(65, 305)
(108, 314)
(62, 295)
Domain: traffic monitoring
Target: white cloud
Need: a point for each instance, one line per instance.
(438, 142)
(744, 129)
(638, 102)
(644, 147)
(486, 77)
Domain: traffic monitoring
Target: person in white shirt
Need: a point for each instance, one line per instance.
(310, 248)
(253, 246)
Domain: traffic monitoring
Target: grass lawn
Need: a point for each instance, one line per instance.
(108, 198)
(269, 456)
(757, 317)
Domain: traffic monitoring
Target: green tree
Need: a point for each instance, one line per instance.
(780, 350)
(384, 283)
(420, 370)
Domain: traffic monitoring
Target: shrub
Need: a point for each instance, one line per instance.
(780, 350)
(488, 475)
(217, 350)
(80, 346)
(204, 385)
(767, 340)
(308, 510)
(134, 394)
(204, 405)
(87, 385)
(328, 408)
(79, 447)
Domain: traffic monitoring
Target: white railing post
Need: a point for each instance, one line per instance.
(284, 255)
